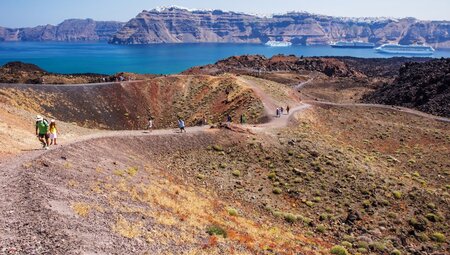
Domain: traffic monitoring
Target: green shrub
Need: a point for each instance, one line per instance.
(347, 244)
(338, 250)
(349, 238)
(277, 191)
(377, 246)
(397, 194)
(321, 228)
(309, 203)
(236, 173)
(323, 216)
(217, 147)
(438, 237)
(396, 252)
(362, 244)
(272, 175)
(423, 237)
(432, 217)
(223, 165)
(231, 211)
(216, 230)
(277, 214)
(362, 250)
(289, 217)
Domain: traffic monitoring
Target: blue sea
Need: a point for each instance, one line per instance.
(156, 59)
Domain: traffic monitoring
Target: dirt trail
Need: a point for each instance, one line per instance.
(389, 107)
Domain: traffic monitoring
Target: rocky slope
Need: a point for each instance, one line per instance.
(69, 30)
(127, 105)
(257, 64)
(423, 86)
(175, 25)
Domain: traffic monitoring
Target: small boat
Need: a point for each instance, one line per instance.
(278, 44)
(406, 49)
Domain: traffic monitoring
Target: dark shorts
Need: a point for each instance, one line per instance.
(44, 136)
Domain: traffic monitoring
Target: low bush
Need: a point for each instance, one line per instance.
(338, 250)
(216, 230)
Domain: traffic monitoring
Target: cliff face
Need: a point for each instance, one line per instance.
(68, 30)
(174, 25)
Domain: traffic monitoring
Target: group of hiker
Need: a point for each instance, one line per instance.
(46, 131)
(180, 122)
(182, 125)
(280, 111)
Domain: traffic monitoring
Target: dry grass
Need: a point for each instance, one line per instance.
(81, 208)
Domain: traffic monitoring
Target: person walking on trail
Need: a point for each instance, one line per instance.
(243, 119)
(53, 132)
(281, 110)
(42, 131)
(277, 112)
(150, 123)
(181, 125)
(229, 119)
(287, 109)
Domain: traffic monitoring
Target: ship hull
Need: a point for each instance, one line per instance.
(353, 47)
(413, 53)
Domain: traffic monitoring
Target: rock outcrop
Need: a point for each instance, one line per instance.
(423, 86)
(69, 31)
(257, 64)
(175, 25)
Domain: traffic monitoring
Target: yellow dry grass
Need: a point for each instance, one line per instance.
(81, 208)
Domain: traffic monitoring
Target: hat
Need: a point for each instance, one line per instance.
(39, 118)
(52, 121)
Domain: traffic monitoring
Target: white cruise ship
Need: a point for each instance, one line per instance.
(352, 44)
(405, 49)
(278, 44)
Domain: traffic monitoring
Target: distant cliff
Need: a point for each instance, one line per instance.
(175, 25)
(69, 30)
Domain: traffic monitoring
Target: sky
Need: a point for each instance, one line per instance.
(26, 13)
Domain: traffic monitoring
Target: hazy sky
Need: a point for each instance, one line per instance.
(20, 13)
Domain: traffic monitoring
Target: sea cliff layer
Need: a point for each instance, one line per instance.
(176, 25)
(70, 30)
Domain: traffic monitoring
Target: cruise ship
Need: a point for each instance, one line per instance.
(278, 44)
(352, 44)
(406, 49)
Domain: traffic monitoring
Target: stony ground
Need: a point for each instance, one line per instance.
(371, 180)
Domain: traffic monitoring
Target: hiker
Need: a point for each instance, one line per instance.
(150, 123)
(53, 132)
(229, 118)
(42, 131)
(281, 110)
(181, 125)
(287, 109)
(277, 112)
(243, 119)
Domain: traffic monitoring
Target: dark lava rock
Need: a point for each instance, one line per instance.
(421, 86)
